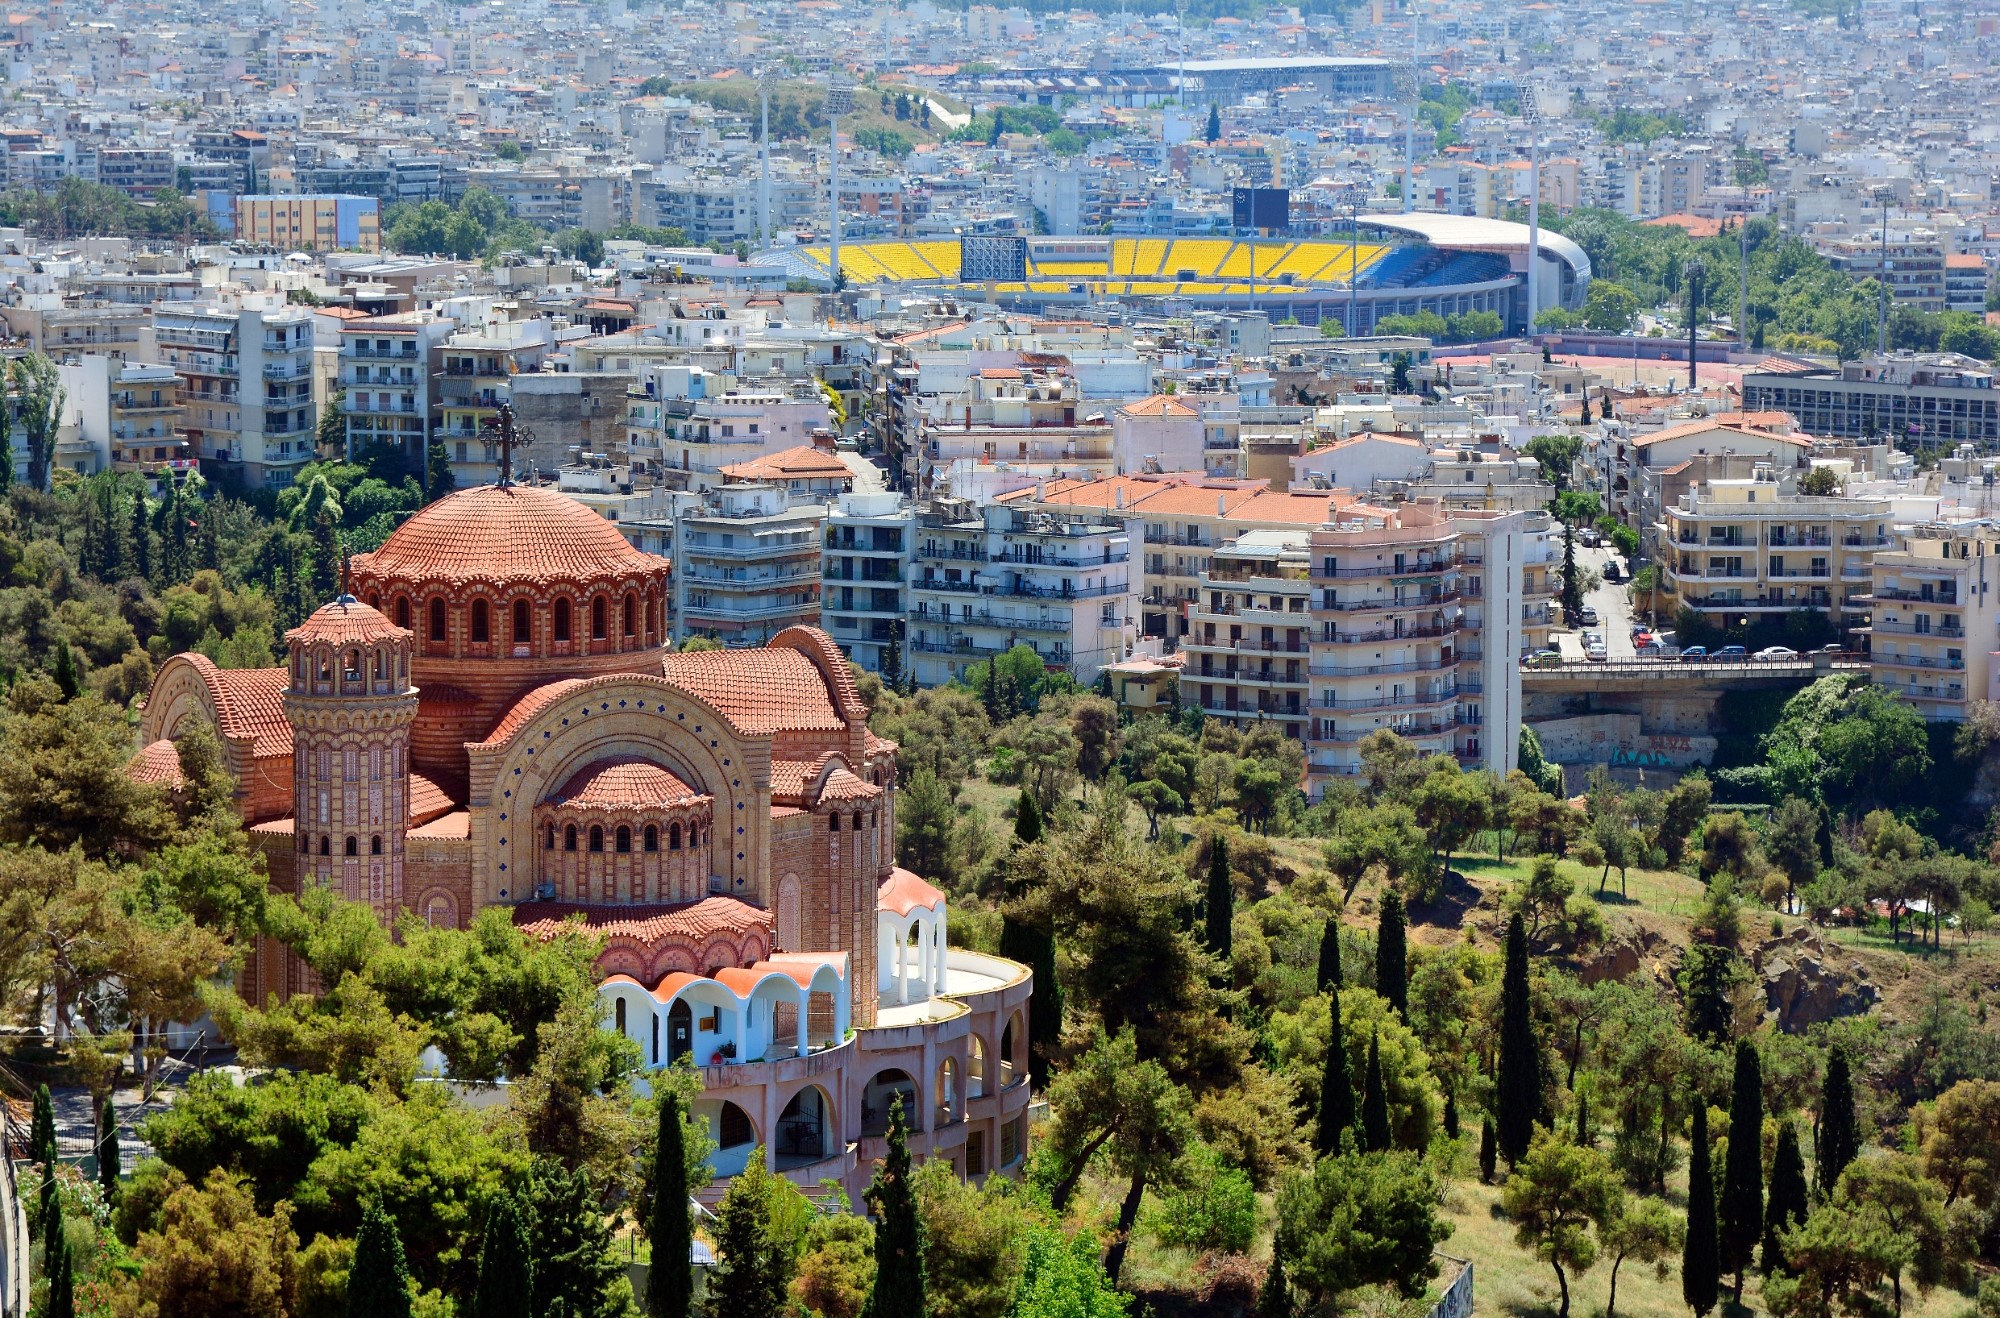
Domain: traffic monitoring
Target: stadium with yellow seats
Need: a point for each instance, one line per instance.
(1394, 265)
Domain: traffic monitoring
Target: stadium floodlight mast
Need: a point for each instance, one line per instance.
(765, 79)
(1403, 86)
(839, 100)
(1531, 112)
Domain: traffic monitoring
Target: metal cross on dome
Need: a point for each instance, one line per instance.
(504, 431)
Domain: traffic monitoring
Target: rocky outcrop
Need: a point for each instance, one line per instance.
(1806, 981)
(1621, 956)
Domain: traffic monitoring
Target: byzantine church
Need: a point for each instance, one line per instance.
(489, 715)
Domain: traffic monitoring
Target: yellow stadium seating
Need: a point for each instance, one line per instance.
(1201, 255)
(940, 255)
(902, 261)
(1138, 256)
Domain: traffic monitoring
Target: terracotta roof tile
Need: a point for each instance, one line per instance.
(905, 892)
(346, 621)
(457, 824)
(1158, 405)
(625, 783)
(647, 924)
(760, 691)
(794, 464)
(250, 702)
(842, 785)
(159, 762)
(428, 800)
(530, 705)
(519, 533)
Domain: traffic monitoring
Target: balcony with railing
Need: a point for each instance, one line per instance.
(1882, 660)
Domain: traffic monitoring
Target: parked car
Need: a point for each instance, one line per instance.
(1590, 537)
(1732, 652)
(1611, 572)
(1694, 652)
(1596, 654)
(1589, 616)
(1546, 659)
(1772, 654)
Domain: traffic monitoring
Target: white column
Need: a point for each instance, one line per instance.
(805, 1012)
(939, 956)
(902, 967)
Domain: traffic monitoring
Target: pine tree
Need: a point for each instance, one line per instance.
(1517, 1090)
(1329, 955)
(1584, 1138)
(1787, 1206)
(64, 671)
(506, 1266)
(1214, 130)
(670, 1284)
(1489, 1151)
(1839, 1132)
(208, 539)
(378, 1284)
(1219, 903)
(1741, 1218)
(1374, 1102)
(572, 1244)
(109, 1164)
(141, 535)
(1392, 958)
(989, 692)
(999, 127)
(1336, 1090)
(899, 1230)
(1571, 597)
(1274, 1298)
(1700, 1271)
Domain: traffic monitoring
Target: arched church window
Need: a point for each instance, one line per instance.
(596, 838)
(549, 844)
(437, 620)
(520, 622)
(403, 612)
(350, 666)
(375, 845)
(674, 838)
(597, 619)
(631, 615)
(482, 629)
(652, 837)
(562, 620)
(833, 823)
(353, 847)
(694, 835)
(381, 666)
(569, 837)
(325, 845)
(624, 839)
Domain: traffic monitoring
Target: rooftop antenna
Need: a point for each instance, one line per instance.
(1531, 110)
(839, 100)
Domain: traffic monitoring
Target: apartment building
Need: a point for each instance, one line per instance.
(246, 386)
(984, 579)
(1911, 262)
(1935, 622)
(1965, 283)
(863, 595)
(1937, 398)
(1743, 548)
(686, 435)
(314, 223)
(1249, 641)
(746, 565)
(474, 381)
(138, 172)
(1417, 617)
(388, 367)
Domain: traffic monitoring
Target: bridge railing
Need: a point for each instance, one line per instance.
(1822, 661)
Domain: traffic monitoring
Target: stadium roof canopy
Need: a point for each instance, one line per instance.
(1473, 233)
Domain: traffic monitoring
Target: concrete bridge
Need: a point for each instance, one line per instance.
(1649, 720)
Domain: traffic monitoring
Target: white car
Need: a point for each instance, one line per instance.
(1772, 654)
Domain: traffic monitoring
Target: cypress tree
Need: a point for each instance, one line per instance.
(42, 1128)
(142, 535)
(1336, 1090)
(1786, 1207)
(1274, 1298)
(109, 1165)
(746, 1283)
(1027, 818)
(1741, 1222)
(1700, 1271)
(1374, 1102)
(64, 671)
(1451, 1115)
(1517, 1094)
(572, 1255)
(1489, 1151)
(58, 1265)
(506, 1285)
(1839, 1131)
(1213, 132)
(378, 1285)
(899, 1230)
(1392, 958)
(1329, 955)
(670, 1284)
(438, 478)
(1220, 901)
(989, 691)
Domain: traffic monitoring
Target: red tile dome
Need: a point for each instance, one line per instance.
(345, 621)
(514, 533)
(625, 784)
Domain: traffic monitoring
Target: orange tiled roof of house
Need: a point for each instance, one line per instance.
(793, 464)
(1158, 405)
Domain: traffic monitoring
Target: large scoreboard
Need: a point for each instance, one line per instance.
(983, 260)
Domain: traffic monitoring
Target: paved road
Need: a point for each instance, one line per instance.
(1614, 612)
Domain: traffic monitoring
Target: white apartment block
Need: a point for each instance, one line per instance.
(676, 428)
(387, 367)
(746, 565)
(863, 595)
(246, 386)
(1743, 548)
(984, 579)
(1417, 616)
(1249, 643)
(1935, 621)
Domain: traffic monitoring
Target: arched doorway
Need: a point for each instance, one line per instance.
(805, 1132)
(734, 1133)
(680, 1032)
(880, 1094)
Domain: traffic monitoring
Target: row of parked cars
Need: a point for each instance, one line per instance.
(1647, 646)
